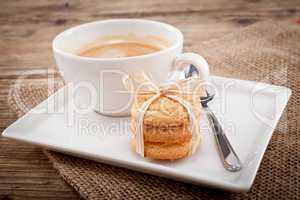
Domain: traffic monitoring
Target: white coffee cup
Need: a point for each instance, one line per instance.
(105, 74)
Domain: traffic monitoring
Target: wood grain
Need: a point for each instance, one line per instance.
(28, 27)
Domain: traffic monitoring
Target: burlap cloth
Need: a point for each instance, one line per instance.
(266, 51)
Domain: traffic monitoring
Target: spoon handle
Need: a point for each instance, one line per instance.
(229, 158)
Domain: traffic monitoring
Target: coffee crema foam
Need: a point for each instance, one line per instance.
(123, 46)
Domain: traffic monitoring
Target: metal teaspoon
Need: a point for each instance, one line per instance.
(230, 159)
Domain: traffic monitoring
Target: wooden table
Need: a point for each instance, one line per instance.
(28, 27)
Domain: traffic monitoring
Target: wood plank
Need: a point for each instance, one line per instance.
(25, 172)
(42, 11)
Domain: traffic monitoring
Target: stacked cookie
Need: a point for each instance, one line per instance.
(167, 130)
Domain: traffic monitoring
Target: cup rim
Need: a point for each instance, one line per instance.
(177, 43)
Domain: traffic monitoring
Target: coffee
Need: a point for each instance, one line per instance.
(123, 46)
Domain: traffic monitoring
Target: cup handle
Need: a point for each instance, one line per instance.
(184, 59)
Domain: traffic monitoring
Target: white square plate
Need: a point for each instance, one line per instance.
(248, 111)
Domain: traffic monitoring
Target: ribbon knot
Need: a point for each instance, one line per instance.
(162, 91)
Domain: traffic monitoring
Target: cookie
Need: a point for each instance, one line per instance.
(163, 151)
(171, 134)
(165, 111)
